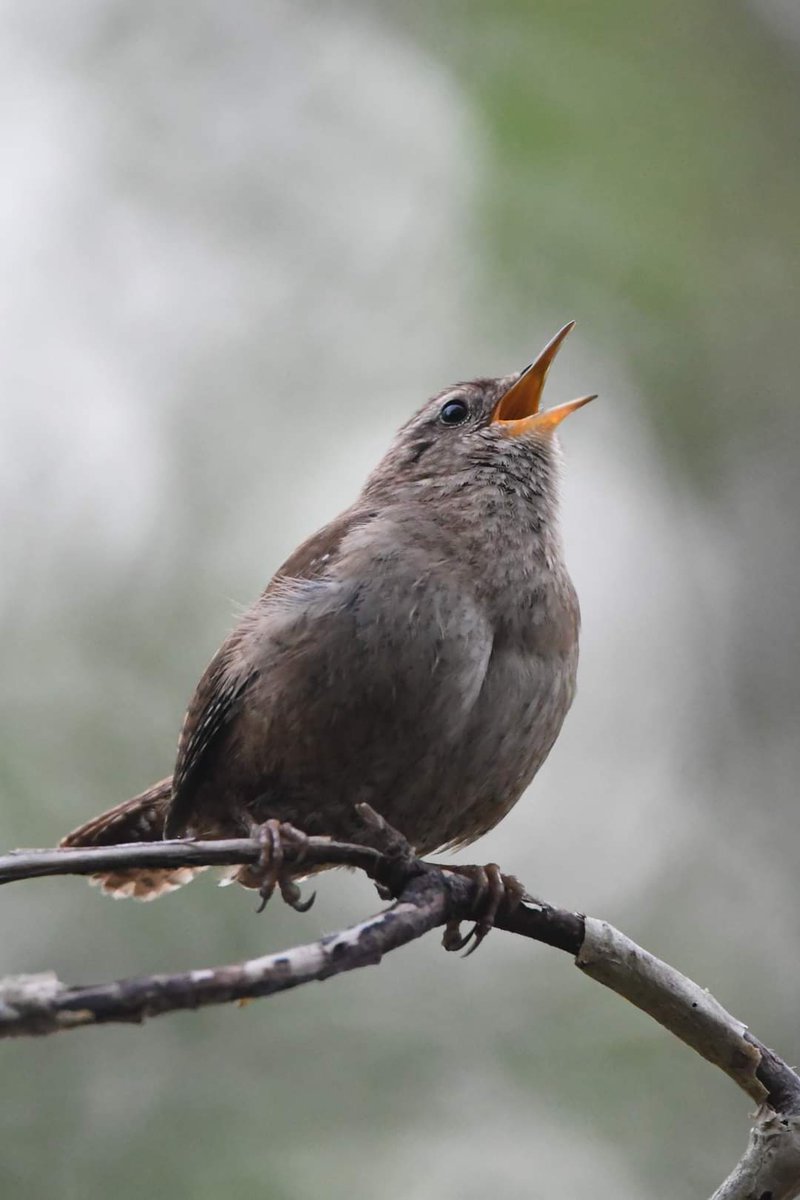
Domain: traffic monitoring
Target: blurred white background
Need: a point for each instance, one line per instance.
(238, 245)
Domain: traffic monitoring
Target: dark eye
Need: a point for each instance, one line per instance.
(454, 412)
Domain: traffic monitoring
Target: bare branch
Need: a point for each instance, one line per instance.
(41, 1004)
(680, 1005)
(91, 860)
(770, 1167)
(426, 896)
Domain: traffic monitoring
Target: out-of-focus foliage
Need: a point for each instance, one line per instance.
(237, 246)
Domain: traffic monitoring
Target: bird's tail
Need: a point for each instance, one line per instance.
(140, 819)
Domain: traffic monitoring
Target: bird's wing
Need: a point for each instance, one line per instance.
(231, 674)
(214, 705)
(364, 630)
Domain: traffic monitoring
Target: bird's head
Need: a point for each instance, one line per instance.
(481, 432)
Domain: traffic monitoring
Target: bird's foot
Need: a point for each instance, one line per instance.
(494, 890)
(273, 836)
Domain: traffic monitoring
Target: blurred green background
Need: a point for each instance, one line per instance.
(239, 244)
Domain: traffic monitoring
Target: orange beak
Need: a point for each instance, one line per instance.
(518, 410)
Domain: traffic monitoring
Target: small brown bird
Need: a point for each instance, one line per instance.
(418, 653)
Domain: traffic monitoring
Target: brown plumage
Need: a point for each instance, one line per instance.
(418, 653)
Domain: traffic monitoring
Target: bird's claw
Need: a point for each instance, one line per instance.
(494, 889)
(291, 895)
(273, 836)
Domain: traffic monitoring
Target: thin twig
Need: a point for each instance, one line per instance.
(92, 860)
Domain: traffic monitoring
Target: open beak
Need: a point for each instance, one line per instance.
(518, 410)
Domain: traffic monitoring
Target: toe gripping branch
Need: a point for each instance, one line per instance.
(494, 890)
(273, 836)
(491, 890)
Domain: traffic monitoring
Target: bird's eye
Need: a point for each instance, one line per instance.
(454, 412)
